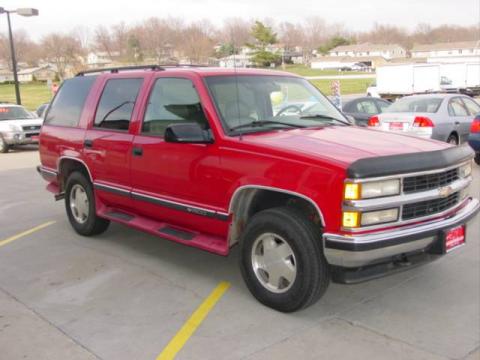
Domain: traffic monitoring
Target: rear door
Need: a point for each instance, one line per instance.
(108, 140)
(460, 117)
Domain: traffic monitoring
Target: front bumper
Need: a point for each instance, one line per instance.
(354, 251)
(20, 138)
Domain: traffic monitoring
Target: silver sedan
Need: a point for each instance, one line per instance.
(444, 117)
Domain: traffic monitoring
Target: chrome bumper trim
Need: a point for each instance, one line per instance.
(363, 249)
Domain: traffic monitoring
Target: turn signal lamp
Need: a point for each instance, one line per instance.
(352, 191)
(351, 219)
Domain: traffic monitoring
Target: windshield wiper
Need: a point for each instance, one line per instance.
(260, 123)
(326, 117)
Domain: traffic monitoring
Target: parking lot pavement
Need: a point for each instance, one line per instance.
(125, 294)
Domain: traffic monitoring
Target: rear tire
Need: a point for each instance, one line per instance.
(477, 158)
(4, 147)
(453, 139)
(80, 206)
(282, 261)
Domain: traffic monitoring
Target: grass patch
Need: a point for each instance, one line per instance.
(32, 94)
(304, 70)
(347, 86)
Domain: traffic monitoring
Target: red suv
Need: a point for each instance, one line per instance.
(212, 158)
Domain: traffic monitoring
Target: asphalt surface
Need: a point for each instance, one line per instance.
(125, 294)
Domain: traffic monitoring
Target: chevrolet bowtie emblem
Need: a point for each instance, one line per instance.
(445, 191)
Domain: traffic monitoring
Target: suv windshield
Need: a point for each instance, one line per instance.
(259, 103)
(415, 105)
(14, 113)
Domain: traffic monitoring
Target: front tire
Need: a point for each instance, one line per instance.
(282, 261)
(477, 158)
(4, 147)
(80, 206)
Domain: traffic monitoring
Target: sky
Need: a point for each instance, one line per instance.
(356, 15)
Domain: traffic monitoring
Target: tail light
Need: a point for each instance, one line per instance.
(374, 121)
(475, 128)
(422, 121)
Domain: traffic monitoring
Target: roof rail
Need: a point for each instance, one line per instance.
(182, 65)
(114, 70)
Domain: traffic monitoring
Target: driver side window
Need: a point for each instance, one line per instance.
(172, 100)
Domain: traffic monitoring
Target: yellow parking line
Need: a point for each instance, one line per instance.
(25, 233)
(187, 330)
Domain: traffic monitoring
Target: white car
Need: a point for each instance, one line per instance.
(18, 126)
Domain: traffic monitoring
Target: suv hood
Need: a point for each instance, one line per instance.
(4, 124)
(343, 144)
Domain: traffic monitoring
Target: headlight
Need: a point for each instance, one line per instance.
(368, 190)
(355, 219)
(465, 170)
(379, 217)
(14, 128)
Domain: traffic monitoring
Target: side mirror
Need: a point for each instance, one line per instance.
(189, 133)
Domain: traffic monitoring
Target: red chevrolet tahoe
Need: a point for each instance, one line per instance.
(212, 158)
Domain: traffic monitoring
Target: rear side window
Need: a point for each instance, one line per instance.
(172, 100)
(68, 104)
(472, 106)
(366, 107)
(116, 104)
(457, 108)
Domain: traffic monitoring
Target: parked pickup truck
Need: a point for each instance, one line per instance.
(214, 158)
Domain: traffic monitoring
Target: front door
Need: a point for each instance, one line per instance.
(176, 182)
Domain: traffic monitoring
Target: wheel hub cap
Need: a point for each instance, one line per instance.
(274, 263)
(79, 203)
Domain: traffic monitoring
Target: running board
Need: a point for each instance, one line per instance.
(207, 242)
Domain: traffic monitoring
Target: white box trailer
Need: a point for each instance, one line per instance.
(461, 77)
(405, 79)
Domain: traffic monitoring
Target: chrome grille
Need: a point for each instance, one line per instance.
(429, 207)
(31, 127)
(429, 181)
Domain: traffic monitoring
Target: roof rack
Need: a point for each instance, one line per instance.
(114, 70)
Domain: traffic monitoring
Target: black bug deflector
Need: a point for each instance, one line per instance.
(409, 163)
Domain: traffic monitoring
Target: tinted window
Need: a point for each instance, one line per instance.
(67, 105)
(116, 104)
(382, 105)
(457, 108)
(413, 104)
(14, 113)
(366, 107)
(472, 106)
(172, 100)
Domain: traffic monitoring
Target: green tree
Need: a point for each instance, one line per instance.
(333, 42)
(134, 50)
(263, 36)
(226, 49)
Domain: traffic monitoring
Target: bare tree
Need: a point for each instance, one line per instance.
(291, 35)
(62, 50)
(197, 41)
(236, 31)
(103, 40)
(25, 49)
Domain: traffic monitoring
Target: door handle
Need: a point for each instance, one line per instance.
(88, 143)
(137, 151)
(457, 122)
